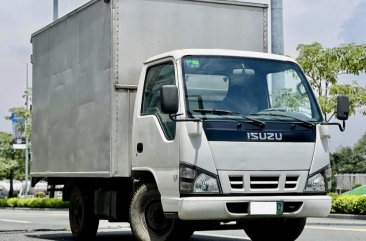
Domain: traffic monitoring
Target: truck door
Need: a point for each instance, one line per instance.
(154, 133)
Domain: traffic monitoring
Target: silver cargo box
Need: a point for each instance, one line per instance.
(86, 64)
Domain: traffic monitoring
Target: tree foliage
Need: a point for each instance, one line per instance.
(350, 159)
(324, 66)
(11, 161)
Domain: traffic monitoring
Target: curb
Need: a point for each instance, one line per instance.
(347, 216)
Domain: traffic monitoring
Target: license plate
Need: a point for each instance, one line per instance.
(266, 208)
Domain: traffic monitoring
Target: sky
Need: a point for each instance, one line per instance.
(329, 22)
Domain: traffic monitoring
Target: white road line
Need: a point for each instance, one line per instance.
(336, 229)
(220, 235)
(13, 221)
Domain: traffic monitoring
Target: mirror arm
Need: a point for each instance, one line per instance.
(342, 127)
(173, 117)
(331, 116)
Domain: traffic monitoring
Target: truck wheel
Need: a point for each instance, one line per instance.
(286, 229)
(83, 222)
(147, 219)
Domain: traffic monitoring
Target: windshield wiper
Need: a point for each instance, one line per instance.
(303, 122)
(227, 112)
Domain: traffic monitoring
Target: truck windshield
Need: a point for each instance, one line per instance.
(261, 89)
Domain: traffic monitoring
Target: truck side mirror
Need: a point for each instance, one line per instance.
(169, 99)
(342, 107)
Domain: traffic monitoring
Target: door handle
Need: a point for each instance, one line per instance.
(140, 147)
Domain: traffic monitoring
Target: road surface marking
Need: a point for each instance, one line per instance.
(220, 235)
(337, 229)
(13, 221)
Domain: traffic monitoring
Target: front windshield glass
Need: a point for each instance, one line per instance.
(220, 87)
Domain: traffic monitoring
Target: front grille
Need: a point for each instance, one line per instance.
(236, 182)
(264, 182)
(291, 182)
(247, 182)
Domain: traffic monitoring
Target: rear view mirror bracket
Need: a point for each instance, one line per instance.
(342, 127)
(173, 117)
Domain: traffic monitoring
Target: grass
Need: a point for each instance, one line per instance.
(359, 191)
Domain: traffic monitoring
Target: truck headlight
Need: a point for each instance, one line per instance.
(320, 181)
(205, 183)
(193, 180)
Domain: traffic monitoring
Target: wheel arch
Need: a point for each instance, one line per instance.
(143, 176)
(70, 183)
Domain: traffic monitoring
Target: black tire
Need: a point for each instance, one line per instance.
(147, 219)
(83, 222)
(284, 229)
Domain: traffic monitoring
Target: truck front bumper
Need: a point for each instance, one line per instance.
(229, 208)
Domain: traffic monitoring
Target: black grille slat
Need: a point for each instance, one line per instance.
(264, 178)
(291, 182)
(264, 182)
(263, 186)
(236, 182)
(290, 178)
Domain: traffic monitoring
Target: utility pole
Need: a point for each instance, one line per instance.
(277, 27)
(55, 10)
(55, 17)
(26, 137)
(278, 83)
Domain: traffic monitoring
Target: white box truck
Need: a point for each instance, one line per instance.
(191, 139)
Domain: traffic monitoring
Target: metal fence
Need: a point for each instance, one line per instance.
(347, 181)
(18, 187)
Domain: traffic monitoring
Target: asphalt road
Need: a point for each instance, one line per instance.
(33, 225)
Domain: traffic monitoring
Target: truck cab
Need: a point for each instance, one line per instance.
(233, 136)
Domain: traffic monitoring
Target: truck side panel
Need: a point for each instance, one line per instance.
(72, 95)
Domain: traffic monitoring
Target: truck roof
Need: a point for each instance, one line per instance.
(177, 54)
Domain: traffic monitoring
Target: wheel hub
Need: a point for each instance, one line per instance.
(78, 212)
(155, 218)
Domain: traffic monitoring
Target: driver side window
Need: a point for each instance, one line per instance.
(156, 77)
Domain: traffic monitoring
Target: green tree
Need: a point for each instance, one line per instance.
(350, 159)
(11, 161)
(324, 66)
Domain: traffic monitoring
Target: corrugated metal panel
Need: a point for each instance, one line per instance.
(72, 94)
(150, 27)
